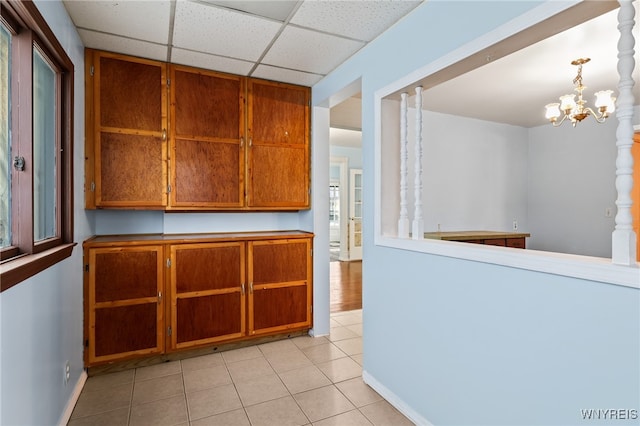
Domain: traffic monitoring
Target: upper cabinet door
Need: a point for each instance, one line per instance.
(126, 131)
(278, 153)
(207, 146)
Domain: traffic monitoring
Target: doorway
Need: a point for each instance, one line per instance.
(345, 205)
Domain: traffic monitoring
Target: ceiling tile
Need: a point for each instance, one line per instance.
(123, 45)
(222, 32)
(286, 76)
(310, 51)
(210, 62)
(274, 9)
(362, 20)
(142, 20)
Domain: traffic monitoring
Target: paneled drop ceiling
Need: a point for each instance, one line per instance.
(283, 40)
(301, 41)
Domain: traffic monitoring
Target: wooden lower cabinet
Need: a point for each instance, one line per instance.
(124, 306)
(208, 295)
(149, 295)
(279, 285)
(490, 238)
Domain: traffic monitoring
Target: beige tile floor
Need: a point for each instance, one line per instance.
(298, 381)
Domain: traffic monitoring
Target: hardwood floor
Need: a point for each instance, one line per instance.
(346, 285)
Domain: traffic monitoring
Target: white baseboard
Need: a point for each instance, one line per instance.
(394, 400)
(71, 404)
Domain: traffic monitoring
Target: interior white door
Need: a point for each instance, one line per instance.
(355, 214)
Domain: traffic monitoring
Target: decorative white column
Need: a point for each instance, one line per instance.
(417, 230)
(403, 222)
(624, 239)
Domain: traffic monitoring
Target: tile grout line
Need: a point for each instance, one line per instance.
(133, 387)
(184, 390)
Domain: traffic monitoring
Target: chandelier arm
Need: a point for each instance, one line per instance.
(559, 123)
(600, 118)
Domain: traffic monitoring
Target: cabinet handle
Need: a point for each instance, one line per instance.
(164, 135)
(242, 289)
(250, 142)
(251, 287)
(159, 297)
(241, 141)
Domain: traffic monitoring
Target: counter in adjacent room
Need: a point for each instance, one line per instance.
(494, 238)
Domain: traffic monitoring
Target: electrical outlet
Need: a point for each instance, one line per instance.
(67, 373)
(515, 224)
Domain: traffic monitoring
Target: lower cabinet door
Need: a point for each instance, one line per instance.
(208, 293)
(125, 310)
(280, 287)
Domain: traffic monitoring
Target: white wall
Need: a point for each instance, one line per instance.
(571, 184)
(474, 174)
(557, 183)
(42, 317)
(452, 341)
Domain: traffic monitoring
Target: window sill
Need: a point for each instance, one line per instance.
(14, 271)
(568, 265)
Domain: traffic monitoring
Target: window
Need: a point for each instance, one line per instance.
(5, 149)
(334, 202)
(36, 146)
(44, 152)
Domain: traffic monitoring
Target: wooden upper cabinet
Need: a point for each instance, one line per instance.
(126, 131)
(207, 150)
(278, 153)
(173, 137)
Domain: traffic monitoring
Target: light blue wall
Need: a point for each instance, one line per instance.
(41, 318)
(461, 342)
(353, 154)
(151, 222)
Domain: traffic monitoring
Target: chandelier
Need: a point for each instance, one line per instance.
(576, 111)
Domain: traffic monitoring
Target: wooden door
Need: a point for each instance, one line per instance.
(207, 154)
(125, 309)
(280, 287)
(126, 139)
(278, 153)
(207, 293)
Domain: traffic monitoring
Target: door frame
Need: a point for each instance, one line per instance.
(354, 254)
(343, 164)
